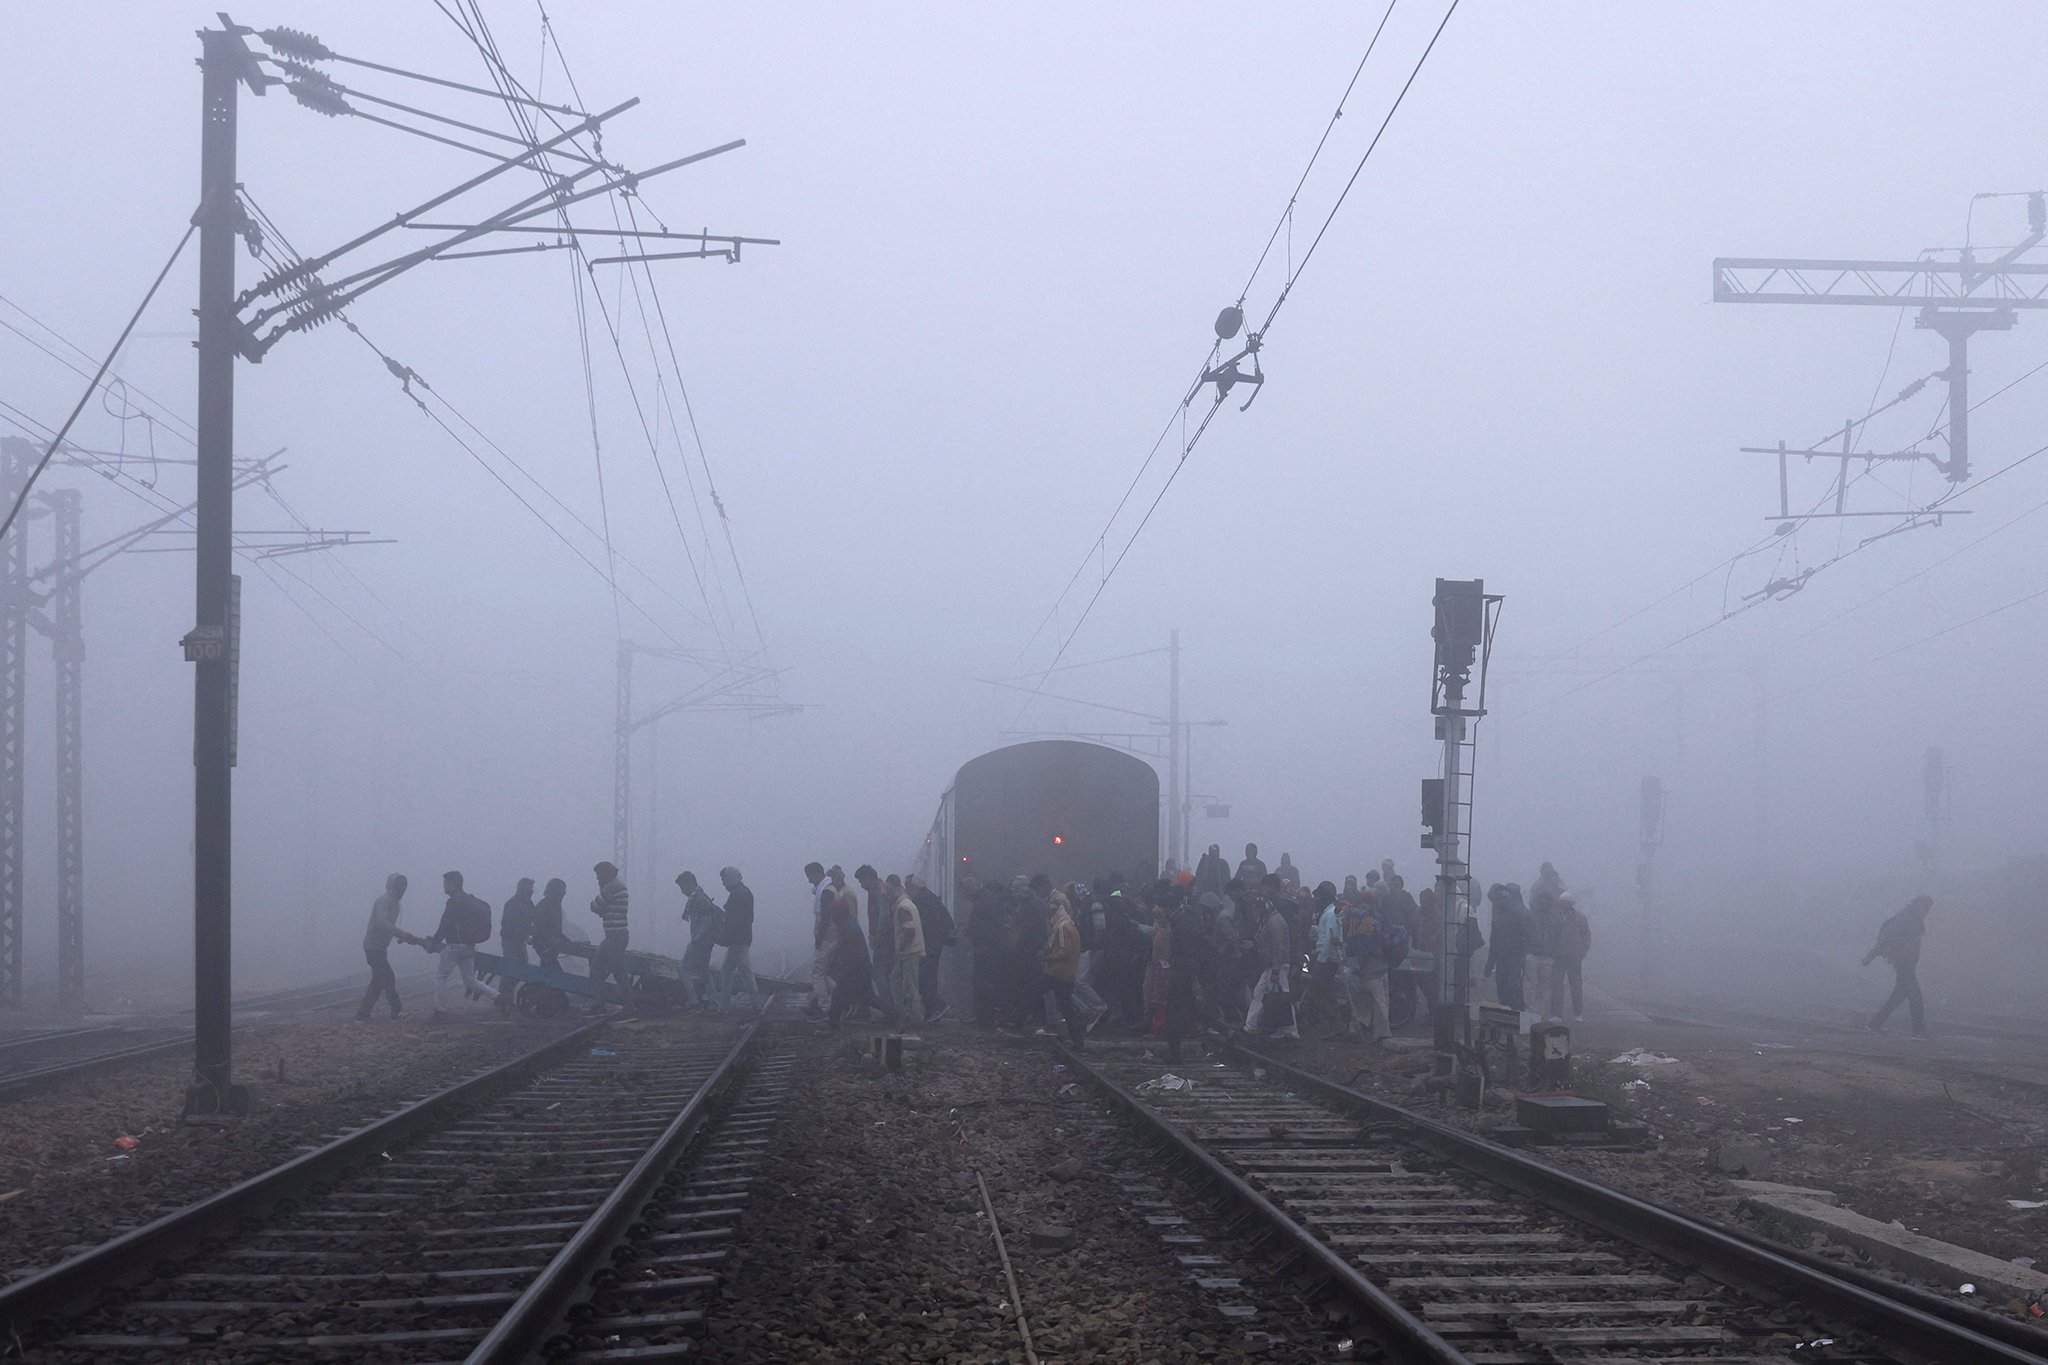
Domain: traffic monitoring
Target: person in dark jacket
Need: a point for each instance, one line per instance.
(1574, 939)
(545, 934)
(465, 922)
(1252, 870)
(937, 922)
(515, 923)
(736, 936)
(1212, 871)
(701, 913)
(1507, 944)
(848, 965)
(1898, 942)
(989, 934)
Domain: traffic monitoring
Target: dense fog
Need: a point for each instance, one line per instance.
(1004, 235)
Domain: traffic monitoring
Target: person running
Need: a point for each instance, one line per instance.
(465, 922)
(736, 936)
(377, 938)
(515, 923)
(611, 906)
(700, 913)
(1898, 942)
(546, 933)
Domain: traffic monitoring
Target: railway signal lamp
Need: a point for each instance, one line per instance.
(1432, 810)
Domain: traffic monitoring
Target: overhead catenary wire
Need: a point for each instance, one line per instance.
(1295, 272)
(92, 387)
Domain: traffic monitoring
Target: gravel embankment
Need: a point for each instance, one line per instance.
(65, 1185)
(871, 1243)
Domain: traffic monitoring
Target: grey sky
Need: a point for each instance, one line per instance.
(1006, 231)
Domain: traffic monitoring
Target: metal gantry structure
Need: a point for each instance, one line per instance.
(741, 686)
(1957, 299)
(51, 601)
(303, 293)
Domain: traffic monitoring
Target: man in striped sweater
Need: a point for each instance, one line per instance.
(610, 958)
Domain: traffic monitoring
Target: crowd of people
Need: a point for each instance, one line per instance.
(534, 932)
(1211, 947)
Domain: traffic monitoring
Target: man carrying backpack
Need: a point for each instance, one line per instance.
(465, 922)
(1898, 942)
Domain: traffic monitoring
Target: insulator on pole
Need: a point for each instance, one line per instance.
(292, 42)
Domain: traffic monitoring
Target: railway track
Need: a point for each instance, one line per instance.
(1455, 1251)
(579, 1199)
(32, 1061)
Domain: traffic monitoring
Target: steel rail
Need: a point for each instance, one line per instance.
(519, 1334)
(30, 1039)
(1867, 1303)
(66, 1286)
(17, 1084)
(1417, 1341)
(22, 1082)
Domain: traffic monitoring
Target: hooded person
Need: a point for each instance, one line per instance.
(515, 923)
(1211, 872)
(1507, 943)
(1898, 942)
(377, 938)
(1252, 870)
(545, 932)
(1573, 939)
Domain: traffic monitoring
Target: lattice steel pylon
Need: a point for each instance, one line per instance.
(14, 609)
(67, 641)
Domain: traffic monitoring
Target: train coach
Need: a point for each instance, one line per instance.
(1068, 808)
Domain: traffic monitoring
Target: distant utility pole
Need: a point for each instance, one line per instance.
(744, 688)
(1175, 745)
(1650, 836)
(1956, 298)
(1465, 617)
(14, 608)
(295, 298)
(51, 600)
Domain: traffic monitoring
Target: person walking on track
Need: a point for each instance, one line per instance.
(1898, 942)
(736, 936)
(465, 922)
(611, 907)
(377, 947)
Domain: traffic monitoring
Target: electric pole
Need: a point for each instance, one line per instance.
(67, 641)
(225, 64)
(1956, 298)
(294, 297)
(14, 607)
(1650, 835)
(1176, 799)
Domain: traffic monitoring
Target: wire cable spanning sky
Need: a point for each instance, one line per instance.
(1188, 440)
